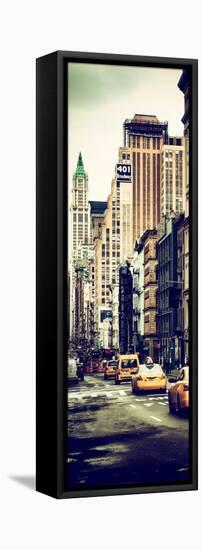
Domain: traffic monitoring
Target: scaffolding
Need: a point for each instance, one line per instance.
(144, 128)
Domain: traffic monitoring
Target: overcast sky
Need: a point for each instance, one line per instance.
(100, 98)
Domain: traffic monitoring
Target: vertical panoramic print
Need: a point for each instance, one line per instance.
(128, 276)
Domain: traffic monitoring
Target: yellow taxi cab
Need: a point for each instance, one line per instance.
(149, 377)
(127, 365)
(178, 393)
(109, 369)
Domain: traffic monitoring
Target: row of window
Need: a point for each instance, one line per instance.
(144, 142)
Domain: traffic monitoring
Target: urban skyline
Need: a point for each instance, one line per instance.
(128, 293)
(100, 98)
(154, 189)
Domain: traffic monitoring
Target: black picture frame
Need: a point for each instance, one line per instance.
(51, 272)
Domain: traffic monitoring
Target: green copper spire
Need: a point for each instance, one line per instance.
(80, 167)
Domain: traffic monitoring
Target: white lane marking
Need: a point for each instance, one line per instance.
(164, 404)
(148, 404)
(93, 395)
(141, 400)
(111, 394)
(122, 392)
(133, 406)
(155, 418)
(158, 396)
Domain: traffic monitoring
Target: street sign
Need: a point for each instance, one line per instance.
(123, 172)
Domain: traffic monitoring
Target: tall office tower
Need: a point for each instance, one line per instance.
(103, 270)
(124, 205)
(97, 213)
(80, 228)
(80, 208)
(113, 243)
(172, 177)
(145, 135)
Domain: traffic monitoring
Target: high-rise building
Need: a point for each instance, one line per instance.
(81, 237)
(145, 136)
(170, 252)
(124, 205)
(80, 208)
(172, 177)
(103, 271)
(97, 212)
(184, 86)
(113, 237)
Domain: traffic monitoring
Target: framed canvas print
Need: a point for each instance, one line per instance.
(116, 274)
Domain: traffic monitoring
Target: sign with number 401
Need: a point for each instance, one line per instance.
(123, 172)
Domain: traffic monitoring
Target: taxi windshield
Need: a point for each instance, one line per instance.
(129, 364)
(112, 363)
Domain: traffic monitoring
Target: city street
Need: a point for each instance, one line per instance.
(117, 438)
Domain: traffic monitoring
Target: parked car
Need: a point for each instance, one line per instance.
(127, 365)
(149, 377)
(72, 377)
(109, 371)
(178, 393)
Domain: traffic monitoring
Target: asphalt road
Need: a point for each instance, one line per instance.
(116, 438)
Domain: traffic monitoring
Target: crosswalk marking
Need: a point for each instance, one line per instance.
(75, 394)
(109, 392)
